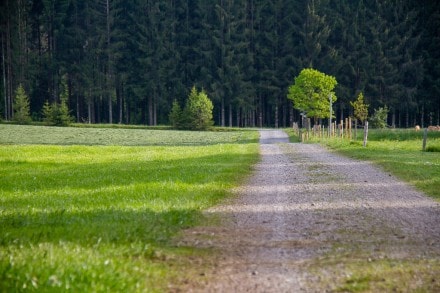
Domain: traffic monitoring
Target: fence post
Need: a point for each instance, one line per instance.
(349, 128)
(355, 129)
(365, 133)
(425, 138)
(342, 128)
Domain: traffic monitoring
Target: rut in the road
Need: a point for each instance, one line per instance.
(301, 202)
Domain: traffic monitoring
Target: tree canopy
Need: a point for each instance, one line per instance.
(127, 61)
(312, 93)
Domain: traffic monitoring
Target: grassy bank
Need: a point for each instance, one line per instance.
(96, 209)
(398, 152)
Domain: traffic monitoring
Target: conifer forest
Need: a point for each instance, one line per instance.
(127, 61)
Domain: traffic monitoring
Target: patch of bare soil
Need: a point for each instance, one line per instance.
(302, 205)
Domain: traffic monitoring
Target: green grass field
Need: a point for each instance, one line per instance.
(95, 210)
(399, 152)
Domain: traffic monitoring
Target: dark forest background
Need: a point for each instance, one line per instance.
(126, 61)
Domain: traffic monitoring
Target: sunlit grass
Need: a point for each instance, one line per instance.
(360, 273)
(102, 218)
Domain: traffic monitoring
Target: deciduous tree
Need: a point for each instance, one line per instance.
(312, 92)
(360, 108)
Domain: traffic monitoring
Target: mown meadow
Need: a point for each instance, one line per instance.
(96, 209)
(397, 151)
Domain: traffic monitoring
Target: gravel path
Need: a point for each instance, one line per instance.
(302, 204)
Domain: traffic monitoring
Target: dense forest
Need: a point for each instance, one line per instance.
(126, 61)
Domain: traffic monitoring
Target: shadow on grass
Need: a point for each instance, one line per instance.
(97, 226)
(114, 202)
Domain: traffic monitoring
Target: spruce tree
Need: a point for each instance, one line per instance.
(21, 106)
(197, 114)
(175, 115)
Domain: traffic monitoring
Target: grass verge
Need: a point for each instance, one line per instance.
(352, 273)
(87, 218)
(398, 152)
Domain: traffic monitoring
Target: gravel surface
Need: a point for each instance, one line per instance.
(302, 204)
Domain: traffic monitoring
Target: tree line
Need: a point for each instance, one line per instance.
(127, 61)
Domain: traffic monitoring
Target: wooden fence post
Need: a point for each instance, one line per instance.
(425, 138)
(342, 128)
(365, 133)
(346, 128)
(355, 129)
(349, 128)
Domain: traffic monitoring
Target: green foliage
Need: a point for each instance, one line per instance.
(360, 108)
(197, 114)
(176, 115)
(117, 53)
(21, 106)
(379, 118)
(47, 112)
(56, 114)
(311, 91)
(102, 218)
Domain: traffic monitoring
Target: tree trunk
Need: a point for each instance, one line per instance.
(150, 110)
(4, 78)
(89, 110)
(238, 116)
(121, 109)
(393, 119)
(110, 109)
(154, 112)
(10, 90)
(78, 114)
(230, 115)
(108, 73)
(291, 118)
(222, 120)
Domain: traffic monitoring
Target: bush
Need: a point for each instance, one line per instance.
(379, 118)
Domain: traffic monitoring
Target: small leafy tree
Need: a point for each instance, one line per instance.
(360, 108)
(311, 93)
(21, 106)
(379, 118)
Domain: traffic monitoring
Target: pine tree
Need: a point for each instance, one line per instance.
(197, 114)
(21, 106)
(48, 114)
(175, 115)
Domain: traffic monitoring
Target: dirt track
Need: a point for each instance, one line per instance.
(304, 204)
